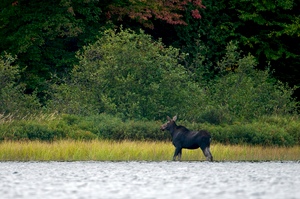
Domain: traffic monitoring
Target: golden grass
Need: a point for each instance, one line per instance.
(70, 150)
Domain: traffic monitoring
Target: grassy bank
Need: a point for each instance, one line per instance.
(70, 150)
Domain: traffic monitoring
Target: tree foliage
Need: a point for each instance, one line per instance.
(145, 12)
(266, 24)
(13, 100)
(128, 73)
(242, 92)
(269, 30)
(45, 36)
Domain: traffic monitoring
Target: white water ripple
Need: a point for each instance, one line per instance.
(182, 180)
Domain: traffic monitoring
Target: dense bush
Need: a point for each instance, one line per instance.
(243, 93)
(110, 127)
(267, 131)
(42, 129)
(264, 131)
(254, 134)
(269, 30)
(13, 100)
(28, 130)
(129, 74)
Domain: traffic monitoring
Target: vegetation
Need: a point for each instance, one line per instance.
(269, 30)
(68, 150)
(113, 70)
(45, 36)
(12, 98)
(129, 74)
(267, 131)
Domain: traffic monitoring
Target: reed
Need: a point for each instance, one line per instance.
(96, 150)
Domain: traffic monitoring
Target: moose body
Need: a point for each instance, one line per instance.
(184, 138)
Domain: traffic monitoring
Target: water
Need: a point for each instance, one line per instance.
(182, 180)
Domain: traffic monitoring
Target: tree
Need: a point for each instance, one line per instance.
(241, 92)
(13, 101)
(205, 40)
(129, 74)
(45, 36)
(270, 30)
(145, 12)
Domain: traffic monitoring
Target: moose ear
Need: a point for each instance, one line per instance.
(175, 118)
(168, 118)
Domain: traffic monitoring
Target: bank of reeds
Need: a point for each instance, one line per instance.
(95, 150)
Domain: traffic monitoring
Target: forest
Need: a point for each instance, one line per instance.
(114, 69)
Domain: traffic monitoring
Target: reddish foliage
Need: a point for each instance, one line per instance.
(196, 14)
(15, 3)
(170, 11)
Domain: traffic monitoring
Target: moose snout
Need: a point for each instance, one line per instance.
(162, 127)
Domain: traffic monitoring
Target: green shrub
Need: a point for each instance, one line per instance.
(38, 132)
(106, 126)
(129, 74)
(81, 135)
(242, 93)
(273, 131)
(293, 130)
(290, 126)
(144, 130)
(253, 134)
(29, 131)
(11, 132)
(71, 119)
(13, 101)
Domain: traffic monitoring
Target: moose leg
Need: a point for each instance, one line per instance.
(177, 153)
(207, 153)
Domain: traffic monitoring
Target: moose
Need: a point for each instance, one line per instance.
(184, 138)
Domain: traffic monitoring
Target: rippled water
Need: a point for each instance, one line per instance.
(180, 180)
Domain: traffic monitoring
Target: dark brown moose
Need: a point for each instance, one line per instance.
(183, 138)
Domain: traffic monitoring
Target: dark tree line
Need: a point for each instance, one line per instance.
(45, 35)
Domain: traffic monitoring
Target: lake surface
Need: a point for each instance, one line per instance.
(182, 180)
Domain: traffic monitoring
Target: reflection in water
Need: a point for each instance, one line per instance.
(149, 180)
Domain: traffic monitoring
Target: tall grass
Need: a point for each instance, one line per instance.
(71, 150)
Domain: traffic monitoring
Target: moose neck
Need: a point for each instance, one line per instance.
(172, 128)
